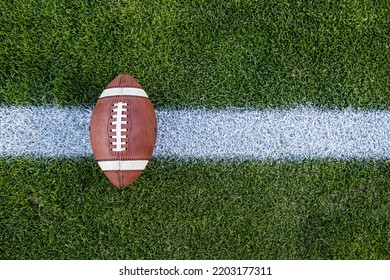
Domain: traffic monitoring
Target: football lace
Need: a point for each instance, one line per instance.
(119, 120)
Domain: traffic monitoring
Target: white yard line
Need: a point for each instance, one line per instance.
(299, 133)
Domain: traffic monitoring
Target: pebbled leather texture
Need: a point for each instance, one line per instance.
(137, 134)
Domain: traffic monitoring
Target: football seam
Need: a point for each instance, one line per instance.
(122, 159)
(123, 87)
(119, 96)
(127, 171)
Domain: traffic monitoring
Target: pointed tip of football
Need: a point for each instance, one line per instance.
(124, 80)
(122, 179)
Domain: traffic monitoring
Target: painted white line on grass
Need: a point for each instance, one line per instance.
(44, 131)
(299, 133)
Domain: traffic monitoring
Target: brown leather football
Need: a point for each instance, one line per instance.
(123, 130)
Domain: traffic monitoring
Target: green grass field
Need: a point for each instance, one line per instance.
(180, 210)
(186, 54)
(198, 53)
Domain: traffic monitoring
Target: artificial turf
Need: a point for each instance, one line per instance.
(209, 54)
(66, 209)
(197, 53)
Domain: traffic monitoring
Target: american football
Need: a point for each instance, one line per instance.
(123, 130)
